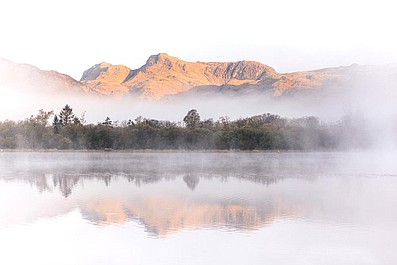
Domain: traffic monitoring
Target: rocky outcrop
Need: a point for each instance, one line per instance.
(106, 79)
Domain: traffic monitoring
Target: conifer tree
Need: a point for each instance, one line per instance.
(56, 124)
(66, 116)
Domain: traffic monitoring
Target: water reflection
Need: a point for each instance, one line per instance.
(169, 192)
(161, 208)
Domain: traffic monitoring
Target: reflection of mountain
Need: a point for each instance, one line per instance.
(158, 212)
(105, 212)
(162, 211)
(162, 215)
(165, 195)
(165, 192)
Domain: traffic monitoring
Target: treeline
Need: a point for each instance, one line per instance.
(47, 130)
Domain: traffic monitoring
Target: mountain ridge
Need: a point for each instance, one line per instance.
(163, 75)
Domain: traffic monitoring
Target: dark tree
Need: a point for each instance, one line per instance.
(66, 115)
(130, 123)
(56, 124)
(107, 122)
(192, 119)
(76, 121)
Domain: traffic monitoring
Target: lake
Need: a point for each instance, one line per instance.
(198, 208)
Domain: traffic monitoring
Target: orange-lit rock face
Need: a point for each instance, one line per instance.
(303, 80)
(107, 79)
(164, 75)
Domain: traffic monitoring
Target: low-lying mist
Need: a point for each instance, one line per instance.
(366, 101)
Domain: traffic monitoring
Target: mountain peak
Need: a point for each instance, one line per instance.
(161, 56)
(106, 78)
(104, 69)
(161, 59)
(93, 72)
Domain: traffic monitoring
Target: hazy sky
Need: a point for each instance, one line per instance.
(70, 36)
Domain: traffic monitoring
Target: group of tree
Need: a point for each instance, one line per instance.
(268, 131)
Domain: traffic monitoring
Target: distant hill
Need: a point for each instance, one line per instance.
(28, 78)
(164, 76)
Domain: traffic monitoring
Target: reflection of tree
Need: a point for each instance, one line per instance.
(66, 170)
(107, 179)
(40, 181)
(191, 181)
(65, 183)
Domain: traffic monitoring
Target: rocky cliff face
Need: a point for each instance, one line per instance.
(106, 79)
(164, 75)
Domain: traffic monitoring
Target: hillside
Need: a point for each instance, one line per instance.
(28, 78)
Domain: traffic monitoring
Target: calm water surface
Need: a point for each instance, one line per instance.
(198, 208)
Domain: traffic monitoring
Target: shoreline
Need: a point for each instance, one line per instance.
(146, 151)
(168, 151)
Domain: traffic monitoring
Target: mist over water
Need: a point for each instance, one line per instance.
(301, 208)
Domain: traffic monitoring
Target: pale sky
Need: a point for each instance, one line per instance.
(70, 36)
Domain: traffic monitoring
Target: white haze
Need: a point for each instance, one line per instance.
(70, 36)
(17, 105)
(368, 98)
(375, 104)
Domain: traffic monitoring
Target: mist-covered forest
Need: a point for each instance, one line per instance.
(65, 130)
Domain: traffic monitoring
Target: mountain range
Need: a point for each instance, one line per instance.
(164, 76)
